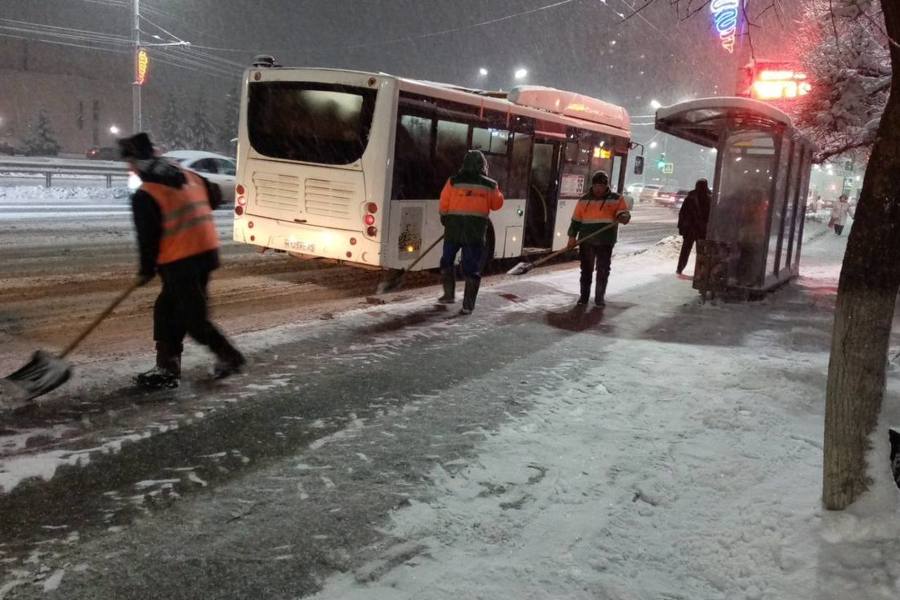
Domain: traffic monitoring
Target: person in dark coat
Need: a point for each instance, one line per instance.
(177, 239)
(693, 219)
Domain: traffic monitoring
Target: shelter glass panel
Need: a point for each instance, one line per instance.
(792, 205)
(781, 171)
(742, 202)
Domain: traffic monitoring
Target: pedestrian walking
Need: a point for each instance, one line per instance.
(839, 213)
(693, 219)
(466, 202)
(599, 208)
(177, 239)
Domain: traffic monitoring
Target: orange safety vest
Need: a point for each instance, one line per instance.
(470, 199)
(188, 228)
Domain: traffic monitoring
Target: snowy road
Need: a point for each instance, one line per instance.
(657, 449)
(325, 361)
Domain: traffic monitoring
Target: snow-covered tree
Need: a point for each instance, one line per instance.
(202, 131)
(847, 53)
(41, 141)
(173, 128)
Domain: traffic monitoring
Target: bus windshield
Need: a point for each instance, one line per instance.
(310, 122)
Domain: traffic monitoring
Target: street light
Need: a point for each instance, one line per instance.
(521, 73)
(655, 104)
(114, 130)
(483, 72)
(653, 145)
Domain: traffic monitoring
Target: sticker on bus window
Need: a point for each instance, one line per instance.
(572, 185)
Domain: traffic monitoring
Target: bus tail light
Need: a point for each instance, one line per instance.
(372, 207)
(238, 210)
(239, 190)
(372, 231)
(369, 220)
(352, 241)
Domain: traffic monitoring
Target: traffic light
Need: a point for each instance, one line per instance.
(661, 161)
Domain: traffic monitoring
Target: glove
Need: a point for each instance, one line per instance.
(143, 279)
(571, 243)
(624, 218)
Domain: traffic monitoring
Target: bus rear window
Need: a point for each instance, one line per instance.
(310, 122)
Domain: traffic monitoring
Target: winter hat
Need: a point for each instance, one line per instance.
(475, 162)
(136, 147)
(600, 177)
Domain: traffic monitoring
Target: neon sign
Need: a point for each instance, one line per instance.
(142, 66)
(725, 19)
(779, 84)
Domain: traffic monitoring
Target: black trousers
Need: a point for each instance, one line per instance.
(595, 257)
(838, 229)
(686, 245)
(181, 309)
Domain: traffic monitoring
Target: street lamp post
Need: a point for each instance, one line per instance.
(136, 124)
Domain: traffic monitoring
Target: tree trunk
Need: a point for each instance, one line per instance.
(867, 292)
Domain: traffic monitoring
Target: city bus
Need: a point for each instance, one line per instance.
(349, 165)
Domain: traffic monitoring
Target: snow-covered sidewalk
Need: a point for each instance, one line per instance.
(684, 461)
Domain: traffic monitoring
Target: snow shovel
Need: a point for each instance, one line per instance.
(46, 372)
(524, 267)
(396, 280)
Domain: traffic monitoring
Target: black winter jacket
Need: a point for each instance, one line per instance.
(693, 218)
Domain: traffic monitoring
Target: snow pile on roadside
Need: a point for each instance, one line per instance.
(33, 195)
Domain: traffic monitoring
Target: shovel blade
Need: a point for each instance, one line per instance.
(520, 269)
(43, 373)
(390, 283)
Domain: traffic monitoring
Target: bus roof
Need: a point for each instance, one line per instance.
(615, 119)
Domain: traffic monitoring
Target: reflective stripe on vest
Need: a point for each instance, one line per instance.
(471, 200)
(188, 227)
(597, 211)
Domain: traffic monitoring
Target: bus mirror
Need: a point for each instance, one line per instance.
(638, 165)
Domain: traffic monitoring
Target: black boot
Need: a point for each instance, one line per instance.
(600, 296)
(469, 296)
(229, 359)
(167, 372)
(448, 278)
(585, 294)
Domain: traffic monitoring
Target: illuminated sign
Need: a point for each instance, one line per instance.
(779, 84)
(725, 19)
(142, 65)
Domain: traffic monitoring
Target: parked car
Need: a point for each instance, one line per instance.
(217, 168)
(648, 192)
(103, 153)
(671, 198)
(6, 148)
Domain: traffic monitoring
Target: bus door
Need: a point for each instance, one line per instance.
(540, 211)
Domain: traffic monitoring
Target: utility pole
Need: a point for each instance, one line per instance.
(136, 124)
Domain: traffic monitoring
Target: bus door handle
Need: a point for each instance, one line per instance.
(300, 221)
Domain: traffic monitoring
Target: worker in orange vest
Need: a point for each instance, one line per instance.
(177, 239)
(596, 210)
(466, 202)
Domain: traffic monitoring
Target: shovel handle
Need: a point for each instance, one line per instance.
(422, 255)
(101, 317)
(553, 255)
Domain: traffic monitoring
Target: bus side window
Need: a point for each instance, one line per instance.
(494, 143)
(520, 167)
(413, 173)
(450, 148)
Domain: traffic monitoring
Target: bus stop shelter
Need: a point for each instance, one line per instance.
(759, 192)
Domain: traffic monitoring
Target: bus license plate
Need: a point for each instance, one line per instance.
(301, 245)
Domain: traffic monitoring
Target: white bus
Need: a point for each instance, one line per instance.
(349, 165)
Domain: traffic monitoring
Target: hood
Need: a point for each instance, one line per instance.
(160, 170)
(474, 163)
